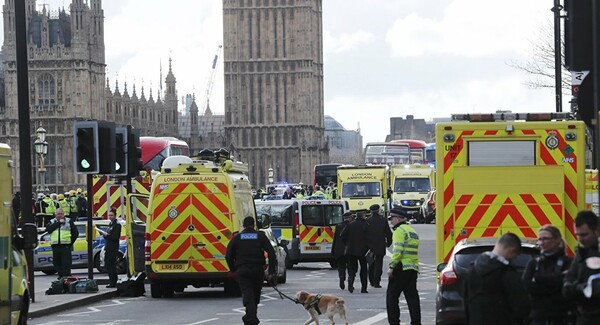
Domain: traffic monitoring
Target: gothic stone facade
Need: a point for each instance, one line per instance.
(67, 83)
(274, 116)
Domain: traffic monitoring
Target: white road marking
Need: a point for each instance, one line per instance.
(204, 321)
(92, 310)
(373, 320)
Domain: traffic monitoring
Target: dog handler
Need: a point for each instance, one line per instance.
(403, 271)
(245, 257)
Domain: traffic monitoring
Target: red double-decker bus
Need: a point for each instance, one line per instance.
(156, 149)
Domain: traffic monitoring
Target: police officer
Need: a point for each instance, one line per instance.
(404, 269)
(112, 236)
(579, 284)
(356, 248)
(379, 236)
(63, 234)
(339, 248)
(245, 257)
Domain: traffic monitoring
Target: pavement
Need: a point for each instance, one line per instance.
(49, 304)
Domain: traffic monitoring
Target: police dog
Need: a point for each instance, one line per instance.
(326, 304)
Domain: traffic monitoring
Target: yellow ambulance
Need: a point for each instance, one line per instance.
(364, 185)
(196, 207)
(508, 172)
(14, 290)
(410, 186)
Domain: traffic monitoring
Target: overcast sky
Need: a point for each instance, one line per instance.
(383, 58)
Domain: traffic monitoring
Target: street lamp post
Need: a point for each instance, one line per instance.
(41, 149)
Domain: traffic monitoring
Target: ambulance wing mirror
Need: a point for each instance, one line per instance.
(30, 237)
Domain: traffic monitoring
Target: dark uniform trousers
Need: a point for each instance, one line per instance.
(403, 281)
(342, 265)
(250, 278)
(375, 270)
(353, 262)
(61, 259)
(110, 262)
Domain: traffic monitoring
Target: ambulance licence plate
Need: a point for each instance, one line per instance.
(170, 267)
(312, 248)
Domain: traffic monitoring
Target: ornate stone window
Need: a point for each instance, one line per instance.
(46, 90)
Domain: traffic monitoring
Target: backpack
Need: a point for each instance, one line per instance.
(56, 287)
(133, 287)
(83, 286)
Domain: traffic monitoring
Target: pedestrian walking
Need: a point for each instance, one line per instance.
(379, 236)
(403, 270)
(63, 234)
(543, 279)
(245, 257)
(494, 293)
(339, 248)
(112, 235)
(356, 249)
(582, 282)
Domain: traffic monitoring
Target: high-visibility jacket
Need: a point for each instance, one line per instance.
(405, 248)
(66, 206)
(72, 204)
(62, 235)
(50, 207)
(328, 191)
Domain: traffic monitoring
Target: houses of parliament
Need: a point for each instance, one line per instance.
(273, 65)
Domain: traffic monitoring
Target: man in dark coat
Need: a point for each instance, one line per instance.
(339, 248)
(379, 236)
(112, 235)
(494, 293)
(579, 285)
(356, 249)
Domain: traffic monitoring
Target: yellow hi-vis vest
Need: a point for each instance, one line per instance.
(405, 248)
(62, 235)
(66, 206)
(51, 206)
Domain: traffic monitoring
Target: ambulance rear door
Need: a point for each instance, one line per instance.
(318, 220)
(135, 229)
(5, 269)
(191, 223)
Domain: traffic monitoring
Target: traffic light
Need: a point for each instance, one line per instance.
(86, 147)
(107, 147)
(134, 152)
(121, 151)
(578, 35)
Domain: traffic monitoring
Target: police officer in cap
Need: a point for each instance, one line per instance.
(379, 236)
(404, 270)
(245, 257)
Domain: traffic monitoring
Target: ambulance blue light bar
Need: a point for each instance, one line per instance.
(508, 116)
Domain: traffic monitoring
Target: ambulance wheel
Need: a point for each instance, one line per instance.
(97, 265)
(232, 289)
(155, 289)
(288, 263)
(24, 313)
(168, 290)
(283, 277)
(49, 272)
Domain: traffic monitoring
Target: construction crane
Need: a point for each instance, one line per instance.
(211, 80)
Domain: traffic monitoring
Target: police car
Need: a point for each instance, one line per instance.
(42, 255)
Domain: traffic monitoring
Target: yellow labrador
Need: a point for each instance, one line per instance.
(326, 304)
